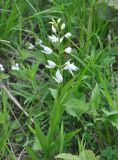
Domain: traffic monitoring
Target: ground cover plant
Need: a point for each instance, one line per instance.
(58, 80)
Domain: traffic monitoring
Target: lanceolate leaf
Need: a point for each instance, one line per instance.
(88, 155)
(112, 117)
(67, 156)
(95, 96)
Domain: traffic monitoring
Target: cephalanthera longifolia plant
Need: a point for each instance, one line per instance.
(62, 72)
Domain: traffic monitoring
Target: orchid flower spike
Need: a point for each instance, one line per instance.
(53, 38)
(68, 50)
(51, 64)
(58, 78)
(70, 67)
(47, 50)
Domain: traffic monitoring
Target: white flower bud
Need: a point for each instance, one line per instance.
(63, 26)
(68, 50)
(54, 29)
(68, 35)
(59, 20)
(31, 46)
(1, 68)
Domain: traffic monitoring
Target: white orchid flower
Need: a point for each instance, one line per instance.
(68, 50)
(15, 67)
(53, 38)
(31, 46)
(70, 67)
(63, 26)
(68, 35)
(54, 29)
(51, 64)
(47, 50)
(58, 78)
(1, 68)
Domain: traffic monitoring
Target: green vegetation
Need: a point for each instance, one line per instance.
(58, 80)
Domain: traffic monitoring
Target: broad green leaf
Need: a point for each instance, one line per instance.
(88, 155)
(112, 117)
(67, 156)
(76, 107)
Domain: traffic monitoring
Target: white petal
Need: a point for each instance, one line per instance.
(31, 46)
(73, 67)
(68, 50)
(59, 20)
(51, 64)
(53, 29)
(70, 67)
(58, 77)
(68, 62)
(2, 69)
(39, 42)
(63, 26)
(13, 68)
(17, 65)
(1, 65)
(68, 35)
(61, 39)
(53, 38)
(47, 50)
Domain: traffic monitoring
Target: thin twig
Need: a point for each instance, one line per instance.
(14, 100)
(20, 156)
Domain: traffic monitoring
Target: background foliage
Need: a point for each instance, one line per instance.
(38, 118)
